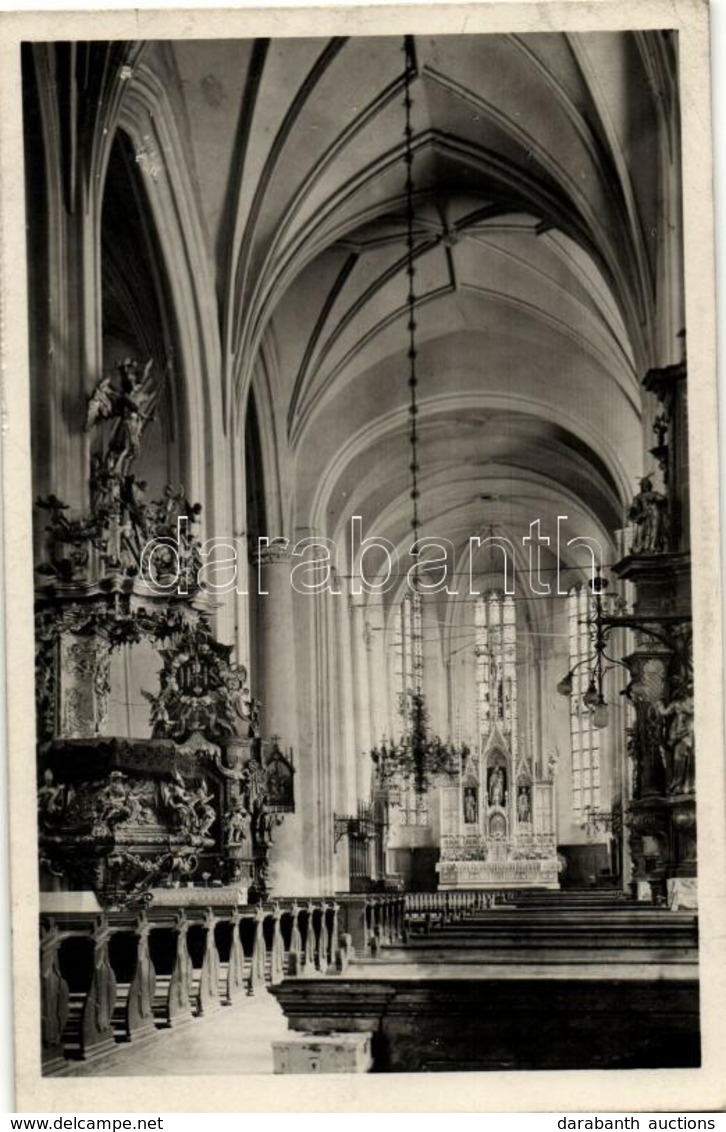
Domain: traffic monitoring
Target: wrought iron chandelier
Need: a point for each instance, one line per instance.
(419, 755)
(600, 627)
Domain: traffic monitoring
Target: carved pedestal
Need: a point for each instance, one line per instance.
(683, 834)
(661, 815)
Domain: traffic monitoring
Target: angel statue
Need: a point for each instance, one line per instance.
(101, 402)
(130, 408)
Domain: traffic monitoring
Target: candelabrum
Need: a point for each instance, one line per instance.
(418, 756)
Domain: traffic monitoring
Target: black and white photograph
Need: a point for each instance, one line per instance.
(370, 490)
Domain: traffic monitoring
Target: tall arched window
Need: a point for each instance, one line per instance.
(584, 737)
(496, 664)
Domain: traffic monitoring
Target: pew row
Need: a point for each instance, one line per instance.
(121, 976)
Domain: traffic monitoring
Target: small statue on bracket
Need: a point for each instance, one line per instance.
(649, 513)
(51, 799)
(236, 824)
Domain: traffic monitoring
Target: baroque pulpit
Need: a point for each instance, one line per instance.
(197, 800)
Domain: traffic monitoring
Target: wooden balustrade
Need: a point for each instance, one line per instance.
(122, 976)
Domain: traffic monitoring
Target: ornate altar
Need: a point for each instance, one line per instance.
(497, 823)
(200, 799)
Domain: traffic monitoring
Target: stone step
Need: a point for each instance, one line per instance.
(579, 916)
(513, 954)
(568, 923)
(463, 930)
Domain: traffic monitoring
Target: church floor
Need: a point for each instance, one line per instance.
(236, 1039)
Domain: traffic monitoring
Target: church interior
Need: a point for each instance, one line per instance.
(364, 668)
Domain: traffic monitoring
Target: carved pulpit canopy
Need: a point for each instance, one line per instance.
(201, 689)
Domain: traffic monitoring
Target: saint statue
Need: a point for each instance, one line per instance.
(470, 807)
(679, 749)
(496, 787)
(649, 513)
(524, 811)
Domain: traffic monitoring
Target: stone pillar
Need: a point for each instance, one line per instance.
(377, 667)
(277, 682)
(76, 122)
(346, 796)
(350, 755)
(364, 738)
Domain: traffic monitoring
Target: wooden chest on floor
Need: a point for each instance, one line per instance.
(323, 1053)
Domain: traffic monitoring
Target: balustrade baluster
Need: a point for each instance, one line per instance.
(139, 1013)
(236, 965)
(259, 952)
(179, 1008)
(395, 920)
(208, 994)
(335, 934)
(383, 935)
(322, 957)
(377, 926)
(96, 1021)
(310, 948)
(54, 997)
(295, 958)
(277, 957)
(406, 921)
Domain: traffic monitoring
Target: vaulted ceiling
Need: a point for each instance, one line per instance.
(539, 229)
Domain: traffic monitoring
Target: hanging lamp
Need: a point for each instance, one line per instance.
(419, 755)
